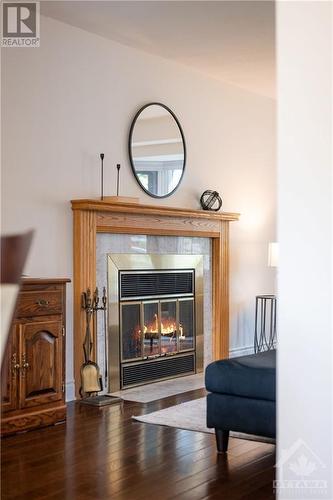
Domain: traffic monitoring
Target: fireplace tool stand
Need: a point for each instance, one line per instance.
(90, 373)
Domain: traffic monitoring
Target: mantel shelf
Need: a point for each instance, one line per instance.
(160, 210)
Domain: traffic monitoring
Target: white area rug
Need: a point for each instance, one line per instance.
(160, 390)
(190, 416)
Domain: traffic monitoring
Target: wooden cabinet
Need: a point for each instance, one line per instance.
(34, 393)
(41, 379)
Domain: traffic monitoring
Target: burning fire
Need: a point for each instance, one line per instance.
(168, 326)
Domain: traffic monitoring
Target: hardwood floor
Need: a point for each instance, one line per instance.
(103, 453)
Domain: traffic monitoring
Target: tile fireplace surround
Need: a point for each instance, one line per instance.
(110, 247)
(102, 228)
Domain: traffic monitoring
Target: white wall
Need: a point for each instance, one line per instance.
(75, 96)
(305, 390)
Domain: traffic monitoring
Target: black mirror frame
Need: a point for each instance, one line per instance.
(130, 149)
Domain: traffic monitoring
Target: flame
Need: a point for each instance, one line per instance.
(151, 327)
(168, 326)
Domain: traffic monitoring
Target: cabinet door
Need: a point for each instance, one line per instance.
(41, 363)
(10, 373)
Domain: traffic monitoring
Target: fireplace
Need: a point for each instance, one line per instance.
(155, 318)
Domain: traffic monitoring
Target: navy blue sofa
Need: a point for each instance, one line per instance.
(242, 394)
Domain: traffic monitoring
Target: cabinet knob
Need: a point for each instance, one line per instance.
(15, 365)
(25, 364)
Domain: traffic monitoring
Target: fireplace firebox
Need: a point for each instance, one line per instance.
(156, 332)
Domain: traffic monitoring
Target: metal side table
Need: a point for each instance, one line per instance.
(265, 323)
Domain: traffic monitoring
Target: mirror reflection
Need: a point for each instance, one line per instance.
(157, 150)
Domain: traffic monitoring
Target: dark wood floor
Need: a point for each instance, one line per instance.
(103, 453)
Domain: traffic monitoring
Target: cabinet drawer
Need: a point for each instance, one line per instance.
(39, 303)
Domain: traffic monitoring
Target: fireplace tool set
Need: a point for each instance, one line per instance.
(91, 379)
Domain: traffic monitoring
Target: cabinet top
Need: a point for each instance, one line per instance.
(44, 281)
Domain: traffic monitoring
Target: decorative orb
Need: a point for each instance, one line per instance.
(211, 200)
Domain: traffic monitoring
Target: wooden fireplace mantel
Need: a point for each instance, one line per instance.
(96, 216)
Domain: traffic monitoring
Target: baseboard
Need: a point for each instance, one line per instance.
(241, 351)
(70, 391)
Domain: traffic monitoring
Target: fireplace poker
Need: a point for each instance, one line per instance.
(95, 302)
(87, 305)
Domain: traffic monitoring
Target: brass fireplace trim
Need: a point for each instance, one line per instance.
(120, 262)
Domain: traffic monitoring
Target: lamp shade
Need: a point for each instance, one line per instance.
(273, 254)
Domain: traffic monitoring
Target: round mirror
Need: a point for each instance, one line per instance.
(157, 150)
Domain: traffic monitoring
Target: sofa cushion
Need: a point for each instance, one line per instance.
(250, 376)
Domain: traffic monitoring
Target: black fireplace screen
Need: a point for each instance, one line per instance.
(159, 326)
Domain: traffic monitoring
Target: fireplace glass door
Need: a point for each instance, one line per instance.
(169, 326)
(186, 324)
(131, 331)
(157, 328)
(151, 328)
